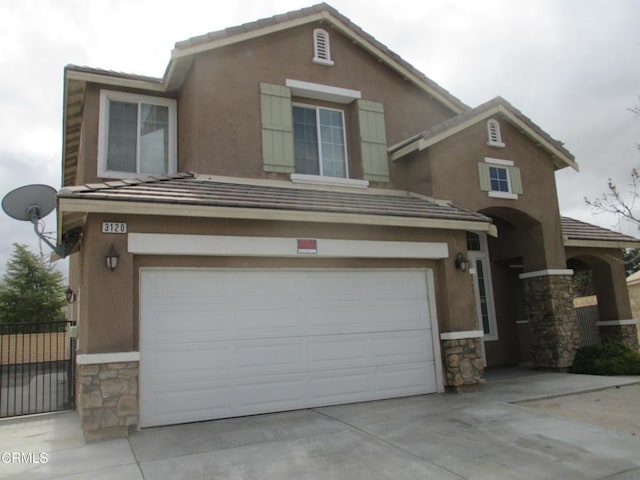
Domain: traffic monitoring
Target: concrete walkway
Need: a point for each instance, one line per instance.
(487, 434)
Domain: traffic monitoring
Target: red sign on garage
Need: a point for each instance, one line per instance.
(307, 246)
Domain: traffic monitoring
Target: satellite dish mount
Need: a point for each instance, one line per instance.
(32, 203)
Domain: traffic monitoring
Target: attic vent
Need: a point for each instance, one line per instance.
(321, 47)
(493, 133)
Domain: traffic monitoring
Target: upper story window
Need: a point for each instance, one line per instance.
(494, 136)
(319, 146)
(318, 134)
(137, 135)
(321, 47)
(500, 178)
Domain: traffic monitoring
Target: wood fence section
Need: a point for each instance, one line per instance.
(22, 348)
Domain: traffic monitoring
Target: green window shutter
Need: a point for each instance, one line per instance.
(483, 174)
(277, 128)
(516, 180)
(373, 141)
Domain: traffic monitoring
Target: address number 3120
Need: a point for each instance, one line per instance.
(114, 227)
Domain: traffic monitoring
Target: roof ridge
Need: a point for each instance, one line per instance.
(314, 9)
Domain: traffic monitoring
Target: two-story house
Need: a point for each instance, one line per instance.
(294, 216)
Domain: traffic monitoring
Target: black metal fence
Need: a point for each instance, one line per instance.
(36, 368)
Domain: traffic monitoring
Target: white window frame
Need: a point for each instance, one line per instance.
(321, 47)
(103, 131)
(344, 132)
(499, 163)
(482, 256)
(494, 135)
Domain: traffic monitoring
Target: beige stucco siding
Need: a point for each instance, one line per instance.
(219, 127)
(449, 170)
(109, 309)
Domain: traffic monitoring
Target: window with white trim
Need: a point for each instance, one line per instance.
(137, 135)
(494, 136)
(321, 47)
(478, 252)
(500, 178)
(319, 146)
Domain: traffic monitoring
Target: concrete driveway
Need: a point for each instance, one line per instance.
(487, 434)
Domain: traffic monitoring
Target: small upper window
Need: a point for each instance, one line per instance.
(493, 134)
(136, 135)
(500, 178)
(321, 47)
(473, 242)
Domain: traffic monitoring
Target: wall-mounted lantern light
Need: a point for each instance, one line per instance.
(112, 258)
(462, 263)
(70, 295)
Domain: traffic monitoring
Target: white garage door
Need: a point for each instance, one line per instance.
(225, 343)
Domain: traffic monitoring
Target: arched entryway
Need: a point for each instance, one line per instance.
(604, 270)
(532, 292)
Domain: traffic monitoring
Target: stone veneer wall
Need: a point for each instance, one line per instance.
(107, 399)
(464, 365)
(552, 320)
(624, 334)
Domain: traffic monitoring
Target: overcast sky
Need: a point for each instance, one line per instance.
(572, 66)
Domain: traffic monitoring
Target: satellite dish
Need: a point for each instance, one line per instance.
(34, 202)
(30, 203)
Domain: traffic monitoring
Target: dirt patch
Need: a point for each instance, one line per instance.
(616, 408)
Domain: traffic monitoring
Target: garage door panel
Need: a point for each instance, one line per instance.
(267, 321)
(273, 356)
(192, 404)
(276, 340)
(189, 325)
(341, 386)
(276, 392)
(403, 347)
(393, 380)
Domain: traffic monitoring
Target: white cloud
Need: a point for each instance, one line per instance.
(572, 67)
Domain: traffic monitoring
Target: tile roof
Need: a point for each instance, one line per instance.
(113, 73)
(185, 189)
(308, 11)
(573, 229)
(450, 125)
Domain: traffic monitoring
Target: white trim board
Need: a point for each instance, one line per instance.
(462, 335)
(318, 91)
(546, 273)
(98, 358)
(224, 245)
(616, 323)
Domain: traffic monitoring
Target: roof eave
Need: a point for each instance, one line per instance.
(69, 208)
(613, 244)
(115, 80)
(560, 158)
(175, 75)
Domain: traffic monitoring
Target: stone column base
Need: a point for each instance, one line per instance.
(552, 318)
(619, 331)
(463, 360)
(107, 397)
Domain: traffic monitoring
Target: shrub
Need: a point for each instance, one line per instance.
(608, 359)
